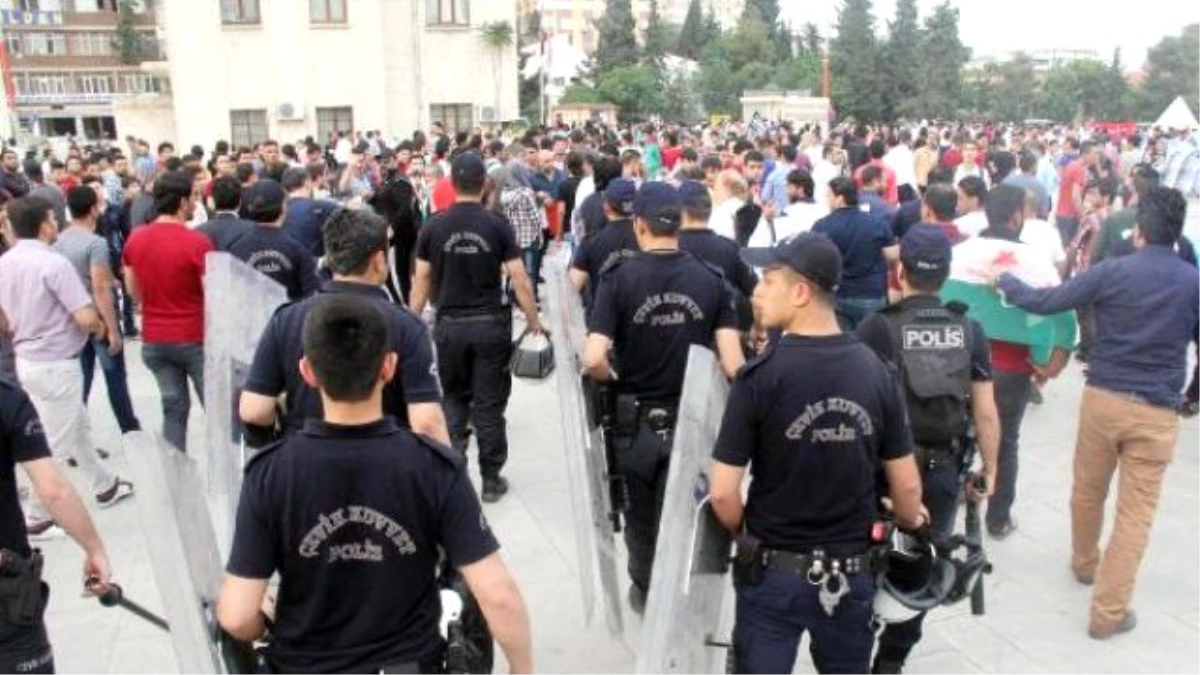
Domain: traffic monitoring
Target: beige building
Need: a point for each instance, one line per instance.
(68, 73)
(577, 18)
(248, 70)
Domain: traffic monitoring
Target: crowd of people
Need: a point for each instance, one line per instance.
(801, 254)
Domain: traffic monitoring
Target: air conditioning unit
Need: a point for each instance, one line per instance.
(487, 114)
(290, 112)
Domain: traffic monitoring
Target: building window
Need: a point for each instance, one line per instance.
(13, 42)
(93, 84)
(332, 120)
(45, 44)
(455, 116)
(92, 44)
(327, 11)
(141, 83)
(447, 12)
(247, 127)
(239, 11)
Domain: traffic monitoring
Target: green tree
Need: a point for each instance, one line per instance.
(498, 37)
(657, 42)
(1172, 69)
(1116, 103)
(128, 42)
(529, 87)
(749, 43)
(1075, 91)
(854, 63)
(637, 90)
(711, 31)
(691, 35)
(617, 45)
(901, 95)
(812, 39)
(766, 11)
(802, 72)
(1013, 89)
(941, 58)
(718, 83)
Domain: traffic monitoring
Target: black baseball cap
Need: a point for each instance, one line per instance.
(658, 201)
(926, 250)
(468, 167)
(263, 200)
(620, 194)
(814, 256)
(694, 195)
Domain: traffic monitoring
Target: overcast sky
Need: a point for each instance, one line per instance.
(988, 27)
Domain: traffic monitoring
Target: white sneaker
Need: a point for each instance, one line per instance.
(40, 529)
(120, 490)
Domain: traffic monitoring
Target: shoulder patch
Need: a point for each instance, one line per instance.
(443, 452)
(617, 259)
(264, 451)
(958, 307)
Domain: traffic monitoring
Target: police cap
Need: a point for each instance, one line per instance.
(694, 195)
(658, 201)
(812, 255)
(620, 195)
(925, 251)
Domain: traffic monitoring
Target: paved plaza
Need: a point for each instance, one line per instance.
(1036, 619)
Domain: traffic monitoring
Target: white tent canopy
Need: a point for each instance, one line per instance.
(1177, 116)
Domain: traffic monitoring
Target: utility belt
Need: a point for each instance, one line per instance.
(829, 573)
(496, 316)
(630, 413)
(932, 456)
(22, 593)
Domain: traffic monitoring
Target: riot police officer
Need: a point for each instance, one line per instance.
(818, 415)
(463, 254)
(600, 249)
(649, 308)
(944, 361)
(697, 238)
(354, 513)
(356, 244)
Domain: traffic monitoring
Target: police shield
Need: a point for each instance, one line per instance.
(590, 502)
(183, 554)
(238, 302)
(686, 610)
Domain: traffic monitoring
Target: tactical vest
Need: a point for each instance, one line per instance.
(933, 348)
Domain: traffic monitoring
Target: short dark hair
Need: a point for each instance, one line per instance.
(33, 171)
(170, 191)
(691, 155)
(754, 156)
(801, 179)
(81, 200)
(173, 164)
(1160, 215)
(26, 215)
(316, 170)
(974, 187)
(878, 148)
(244, 171)
(1027, 162)
(575, 163)
(942, 200)
(1002, 203)
(711, 162)
(789, 153)
(226, 193)
(941, 174)
(345, 340)
(871, 173)
(605, 171)
(1145, 176)
(165, 146)
(293, 179)
(844, 187)
(351, 238)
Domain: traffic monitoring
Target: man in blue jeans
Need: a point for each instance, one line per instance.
(89, 255)
(164, 271)
(867, 246)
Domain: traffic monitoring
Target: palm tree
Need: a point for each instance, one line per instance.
(497, 36)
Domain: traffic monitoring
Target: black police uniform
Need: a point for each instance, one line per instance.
(275, 369)
(224, 229)
(24, 645)
(601, 249)
(467, 247)
(939, 353)
(354, 518)
(725, 254)
(814, 417)
(274, 253)
(653, 306)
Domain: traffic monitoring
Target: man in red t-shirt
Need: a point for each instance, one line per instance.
(164, 271)
(891, 192)
(1070, 191)
(672, 153)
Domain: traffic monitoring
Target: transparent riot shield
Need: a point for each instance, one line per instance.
(238, 302)
(590, 502)
(686, 609)
(183, 554)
